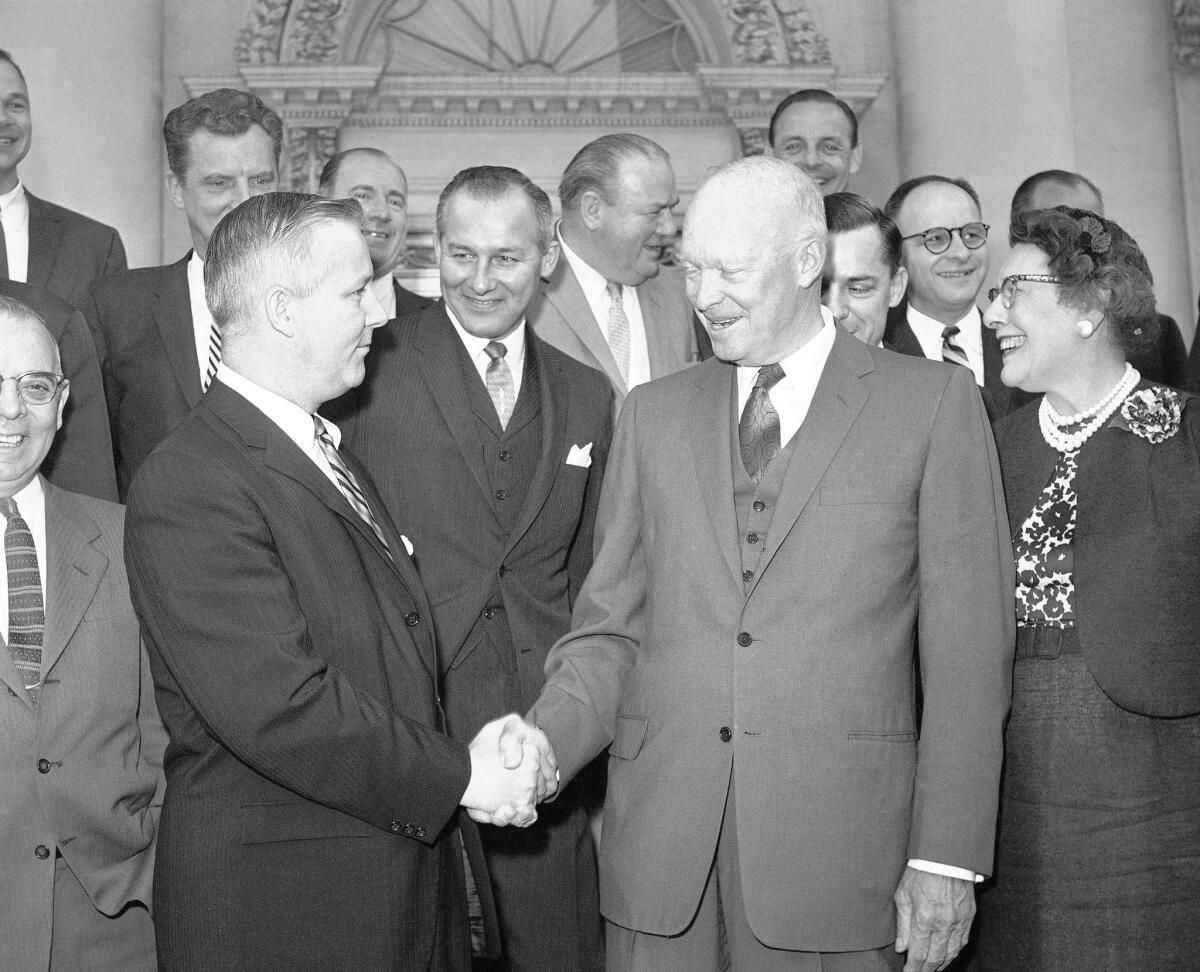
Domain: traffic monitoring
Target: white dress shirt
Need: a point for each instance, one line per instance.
(792, 396)
(31, 504)
(14, 214)
(595, 289)
(969, 337)
(515, 356)
(292, 420)
(202, 321)
(385, 293)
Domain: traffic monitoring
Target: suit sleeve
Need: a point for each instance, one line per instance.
(580, 559)
(219, 609)
(114, 258)
(967, 630)
(578, 706)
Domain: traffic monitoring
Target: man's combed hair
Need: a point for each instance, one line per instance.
(5, 56)
(1023, 197)
(329, 174)
(810, 96)
(267, 241)
(846, 211)
(491, 182)
(597, 166)
(905, 189)
(225, 111)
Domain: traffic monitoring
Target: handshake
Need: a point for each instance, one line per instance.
(512, 770)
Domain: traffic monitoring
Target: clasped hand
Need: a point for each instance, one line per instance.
(512, 770)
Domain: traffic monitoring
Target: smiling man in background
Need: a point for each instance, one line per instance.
(863, 277)
(817, 132)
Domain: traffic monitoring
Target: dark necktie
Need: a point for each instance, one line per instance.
(3, 254)
(346, 483)
(26, 607)
(951, 351)
(758, 430)
(499, 381)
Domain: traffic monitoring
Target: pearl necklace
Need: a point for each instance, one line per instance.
(1053, 424)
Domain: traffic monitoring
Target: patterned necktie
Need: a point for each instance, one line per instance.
(950, 349)
(758, 430)
(26, 608)
(214, 357)
(618, 330)
(346, 483)
(3, 254)
(500, 382)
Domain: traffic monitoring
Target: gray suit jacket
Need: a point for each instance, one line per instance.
(68, 252)
(562, 317)
(83, 771)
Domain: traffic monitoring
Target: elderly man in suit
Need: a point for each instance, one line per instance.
(158, 345)
(491, 445)
(81, 744)
(41, 244)
(777, 526)
(311, 812)
(381, 188)
(609, 302)
(945, 251)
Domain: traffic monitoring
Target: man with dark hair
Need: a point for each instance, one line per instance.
(490, 446)
(863, 277)
(381, 188)
(610, 302)
(1165, 359)
(945, 251)
(311, 810)
(817, 131)
(41, 244)
(81, 744)
(158, 344)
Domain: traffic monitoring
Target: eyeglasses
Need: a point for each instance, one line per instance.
(1007, 290)
(937, 240)
(36, 387)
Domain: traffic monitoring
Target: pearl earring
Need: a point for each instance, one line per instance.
(1086, 329)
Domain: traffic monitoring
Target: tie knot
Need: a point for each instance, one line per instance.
(769, 376)
(949, 332)
(495, 350)
(9, 505)
(614, 291)
(320, 431)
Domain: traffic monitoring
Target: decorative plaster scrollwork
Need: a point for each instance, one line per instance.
(806, 45)
(258, 42)
(775, 32)
(315, 37)
(1186, 18)
(754, 140)
(307, 151)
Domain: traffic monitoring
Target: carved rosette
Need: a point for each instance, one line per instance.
(1185, 17)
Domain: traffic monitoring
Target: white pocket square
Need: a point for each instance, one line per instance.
(407, 544)
(580, 456)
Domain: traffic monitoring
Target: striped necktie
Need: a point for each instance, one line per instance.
(214, 357)
(346, 483)
(499, 381)
(618, 330)
(951, 351)
(3, 254)
(758, 430)
(26, 607)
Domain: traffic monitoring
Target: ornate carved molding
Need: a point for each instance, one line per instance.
(304, 31)
(1185, 16)
(775, 32)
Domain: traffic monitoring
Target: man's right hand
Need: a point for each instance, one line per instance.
(512, 768)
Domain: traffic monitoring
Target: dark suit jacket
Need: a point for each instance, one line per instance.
(898, 336)
(97, 730)
(408, 303)
(68, 252)
(1136, 552)
(81, 459)
(143, 322)
(811, 660)
(310, 788)
(1193, 365)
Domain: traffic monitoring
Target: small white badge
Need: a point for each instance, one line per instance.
(407, 544)
(580, 456)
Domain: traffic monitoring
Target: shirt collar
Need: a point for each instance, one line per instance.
(31, 499)
(295, 422)
(385, 293)
(514, 342)
(14, 197)
(809, 359)
(591, 282)
(968, 325)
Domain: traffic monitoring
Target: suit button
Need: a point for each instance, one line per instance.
(41, 852)
(744, 639)
(503, 570)
(409, 830)
(489, 613)
(505, 455)
(43, 766)
(420, 831)
(751, 538)
(759, 506)
(501, 494)
(412, 619)
(397, 826)
(726, 735)
(747, 576)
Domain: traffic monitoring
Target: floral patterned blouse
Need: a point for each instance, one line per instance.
(1045, 591)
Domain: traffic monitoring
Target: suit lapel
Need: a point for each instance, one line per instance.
(74, 569)
(436, 351)
(45, 235)
(839, 397)
(544, 380)
(566, 297)
(172, 309)
(708, 423)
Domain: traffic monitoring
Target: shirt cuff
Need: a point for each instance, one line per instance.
(946, 870)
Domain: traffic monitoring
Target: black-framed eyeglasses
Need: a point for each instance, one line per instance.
(937, 239)
(1007, 290)
(36, 387)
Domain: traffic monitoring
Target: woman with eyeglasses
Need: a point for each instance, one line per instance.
(1098, 858)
